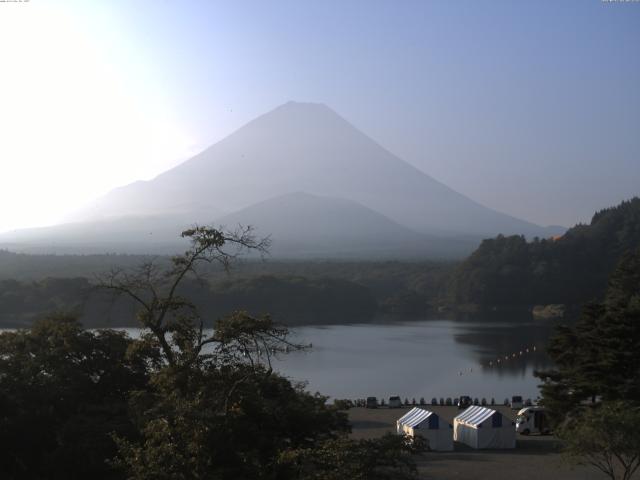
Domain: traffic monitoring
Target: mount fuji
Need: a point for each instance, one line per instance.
(302, 174)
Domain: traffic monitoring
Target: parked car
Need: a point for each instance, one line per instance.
(372, 402)
(448, 401)
(464, 401)
(395, 402)
(516, 402)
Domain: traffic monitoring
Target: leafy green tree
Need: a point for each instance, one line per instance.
(208, 431)
(63, 392)
(225, 414)
(386, 458)
(607, 437)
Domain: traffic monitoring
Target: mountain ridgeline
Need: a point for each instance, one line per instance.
(570, 269)
(301, 174)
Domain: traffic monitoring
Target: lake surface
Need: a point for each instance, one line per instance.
(430, 358)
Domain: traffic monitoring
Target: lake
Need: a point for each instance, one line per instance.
(429, 358)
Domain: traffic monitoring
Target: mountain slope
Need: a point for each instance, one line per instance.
(308, 147)
(303, 225)
(149, 234)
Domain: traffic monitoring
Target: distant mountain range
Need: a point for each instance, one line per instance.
(300, 173)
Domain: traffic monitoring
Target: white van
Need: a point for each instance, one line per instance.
(532, 420)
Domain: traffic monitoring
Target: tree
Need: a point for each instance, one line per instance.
(600, 356)
(169, 316)
(593, 394)
(607, 437)
(223, 425)
(63, 393)
(386, 458)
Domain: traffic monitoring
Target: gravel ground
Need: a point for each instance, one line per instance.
(535, 457)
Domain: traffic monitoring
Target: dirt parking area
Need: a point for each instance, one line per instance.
(535, 457)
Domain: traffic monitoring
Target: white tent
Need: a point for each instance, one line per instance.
(481, 427)
(429, 426)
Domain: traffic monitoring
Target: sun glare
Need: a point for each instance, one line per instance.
(71, 126)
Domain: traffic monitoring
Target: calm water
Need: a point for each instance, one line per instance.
(430, 358)
(434, 358)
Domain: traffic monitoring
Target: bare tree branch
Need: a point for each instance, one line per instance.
(155, 292)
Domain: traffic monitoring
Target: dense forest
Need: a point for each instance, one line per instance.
(295, 293)
(291, 300)
(571, 269)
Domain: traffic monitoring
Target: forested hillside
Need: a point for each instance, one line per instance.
(571, 269)
(290, 300)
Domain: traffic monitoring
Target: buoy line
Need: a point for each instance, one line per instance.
(502, 359)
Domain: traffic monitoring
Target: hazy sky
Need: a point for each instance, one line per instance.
(531, 108)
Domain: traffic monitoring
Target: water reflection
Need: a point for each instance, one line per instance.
(431, 358)
(508, 347)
